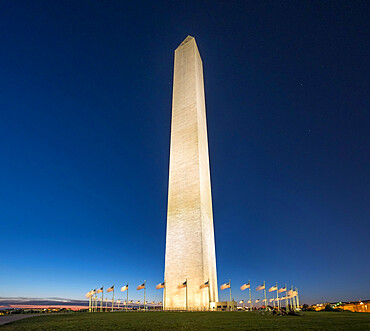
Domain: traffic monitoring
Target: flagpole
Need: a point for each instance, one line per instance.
(264, 285)
(286, 298)
(209, 295)
(230, 293)
(186, 281)
(250, 295)
(164, 296)
(277, 295)
(101, 303)
(113, 297)
(297, 298)
(127, 297)
(293, 301)
(144, 293)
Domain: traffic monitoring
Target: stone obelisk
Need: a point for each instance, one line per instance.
(190, 244)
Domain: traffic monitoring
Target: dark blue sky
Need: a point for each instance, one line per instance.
(85, 102)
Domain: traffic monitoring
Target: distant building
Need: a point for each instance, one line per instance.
(355, 306)
(224, 305)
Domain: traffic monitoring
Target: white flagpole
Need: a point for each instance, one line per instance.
(101, 304)
(230, 294)
(264, 285)
(144, 294)
(127, 297)
(277, 295)
(250, 295)
(113, 297)
(209, 295)
(286, 298)
(164, 296)
(186, 294)
(297, 298)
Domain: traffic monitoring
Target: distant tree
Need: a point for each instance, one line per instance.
(328, 307)
(305, 306)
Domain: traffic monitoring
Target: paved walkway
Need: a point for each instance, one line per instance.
(4, 319)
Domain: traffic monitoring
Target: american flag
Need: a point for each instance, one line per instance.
(261, 287)
(225, 286)
(184, 284)
(245, 286)
(100, 290)
(204, 285)
(140, 287)
(111, 289)
(124, 288)
(283, 289)
(273, 288)
(159, 286)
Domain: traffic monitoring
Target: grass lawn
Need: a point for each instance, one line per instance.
(193, 321)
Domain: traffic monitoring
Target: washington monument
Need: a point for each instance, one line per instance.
(190, 263)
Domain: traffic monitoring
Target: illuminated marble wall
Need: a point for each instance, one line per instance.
(190, 246)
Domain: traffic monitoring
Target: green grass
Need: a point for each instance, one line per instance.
(193, 321)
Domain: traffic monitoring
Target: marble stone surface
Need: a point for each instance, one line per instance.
(190, 245)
